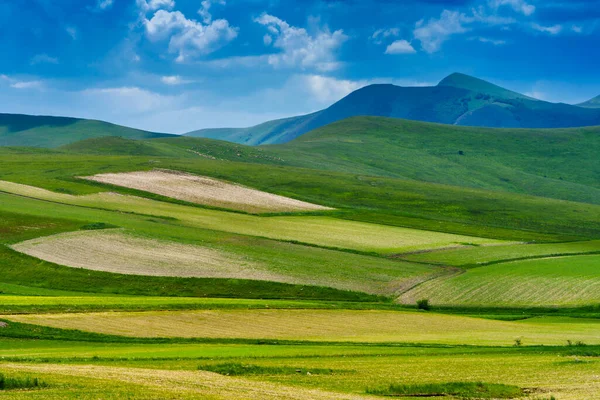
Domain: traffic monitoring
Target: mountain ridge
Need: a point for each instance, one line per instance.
(458, 99)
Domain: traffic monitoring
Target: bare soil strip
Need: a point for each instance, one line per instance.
(114, 251)
(206, 191)
(196, 384)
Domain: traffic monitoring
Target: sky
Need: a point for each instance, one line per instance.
(180, 65)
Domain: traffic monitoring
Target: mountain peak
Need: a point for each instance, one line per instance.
(473, 84)
(592, 103)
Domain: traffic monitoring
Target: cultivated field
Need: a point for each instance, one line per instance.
(324, 325)
(316, 230)
(120, 288)
(204, 190)
(95, 250)
(475, 256)
(562, 281)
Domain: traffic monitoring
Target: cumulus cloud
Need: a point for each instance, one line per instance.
(436, 31)
(153, 5)
(43, 59)
(204, 11)
(187, 37)
(520, 6)
(400, 47)
(552, 30)
(299, 48)
(327, 89)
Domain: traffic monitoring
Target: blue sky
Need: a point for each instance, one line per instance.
(180, 65)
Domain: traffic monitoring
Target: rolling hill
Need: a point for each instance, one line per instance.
(457, 100)
(555, 163)
(45, 131)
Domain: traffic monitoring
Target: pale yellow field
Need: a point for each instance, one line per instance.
(182, 384)
(204, 190)
(114, 251)
(324, 325)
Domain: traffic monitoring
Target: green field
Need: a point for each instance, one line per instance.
(562, 281)
(108, 292)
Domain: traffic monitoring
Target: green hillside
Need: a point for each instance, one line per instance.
(556, 163)
(44, 131)
(457, 100)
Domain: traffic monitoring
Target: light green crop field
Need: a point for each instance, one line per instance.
(324, 325)
(322, 231)
(159, 371)
(474, 256)
(563, 281)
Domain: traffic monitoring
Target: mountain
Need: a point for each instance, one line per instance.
(44, 131)
(592, 103)
(457, 100)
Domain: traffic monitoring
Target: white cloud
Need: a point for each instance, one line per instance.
(174, 80)
(187, 37)
(552, 30)
(520, 6)
(577, 29)
(153, 5)
(301, 49)
(400, 47)
(130, 100)
(379, 35)
(43, 59)
(328, 90)
(495, 42)
(204, 11)
(436, 31)
(104, 4)
(27, 85)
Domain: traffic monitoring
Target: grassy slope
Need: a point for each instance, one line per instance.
(373, 199)
(41, 131)
(569, 281)
(559, 163)
(476, 256)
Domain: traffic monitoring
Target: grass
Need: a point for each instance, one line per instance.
(19, 269)
(558, 163)
(467, 390)
(564, 281)
(478, 256)
(372, 199)
(317, 230)
(13, 383)
(325, 326)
